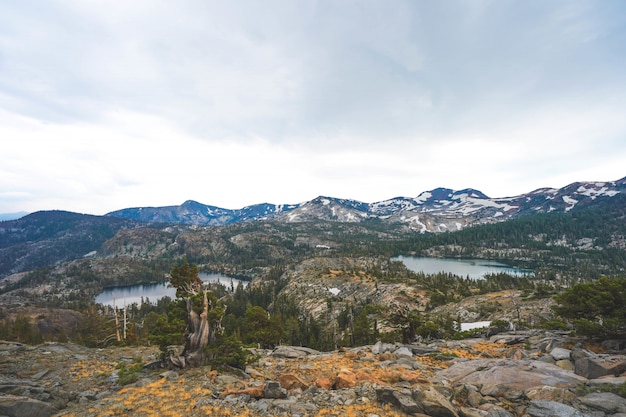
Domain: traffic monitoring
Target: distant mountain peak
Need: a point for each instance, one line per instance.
(440, 209)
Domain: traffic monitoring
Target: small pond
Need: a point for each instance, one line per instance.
(474, 268)
(130, 294)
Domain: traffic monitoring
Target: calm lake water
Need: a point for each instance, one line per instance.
(121, 296)
(474, 268)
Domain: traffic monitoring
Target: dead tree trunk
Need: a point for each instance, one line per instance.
(200, 334)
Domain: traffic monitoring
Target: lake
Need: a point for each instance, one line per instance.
(130, 294)
(474, 268)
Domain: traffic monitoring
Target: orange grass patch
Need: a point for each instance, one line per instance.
(90, 368)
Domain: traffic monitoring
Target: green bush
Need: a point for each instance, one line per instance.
(227, 351)
(128, 374)
(597, 309)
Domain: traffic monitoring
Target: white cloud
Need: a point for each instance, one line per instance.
(107, 105)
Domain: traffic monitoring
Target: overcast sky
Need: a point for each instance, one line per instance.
(112, 104)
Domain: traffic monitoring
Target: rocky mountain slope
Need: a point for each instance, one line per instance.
(49, 237)
(438, 210)
(528, 373)
(192, 212)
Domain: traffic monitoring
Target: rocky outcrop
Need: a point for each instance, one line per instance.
(510, 379)
(19, 406)
(511, 375)
(418, 400)
(592, 366)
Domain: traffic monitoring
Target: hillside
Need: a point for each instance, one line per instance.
(368, 336)
(49, 237)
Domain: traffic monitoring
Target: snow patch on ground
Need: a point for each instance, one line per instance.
(334, 291)
(475, 325)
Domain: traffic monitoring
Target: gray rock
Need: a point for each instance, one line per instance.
(499, 412)
(273, 390)
(507, 378)
(254, 373)
(605, 401)
(40, 375)
(544, 408)
(89, 394)
(288, 352)
(401, 399)
(403, 351)
(433, 403)
(102, 395)
(507, 339)
(380, 347)
(170, 375)
(406, 362)
(423, 350)
(614, 344)
(16, 406)
(560, 354)
(226, 380)
(472, 412)
(613, 380)
(262, 405)
(565, 364)
(578, 353)
(593, 367)
(377, 348)
(427, 401)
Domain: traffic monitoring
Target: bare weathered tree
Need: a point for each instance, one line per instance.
(203, 326)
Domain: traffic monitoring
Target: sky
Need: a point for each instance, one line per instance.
(113, 104)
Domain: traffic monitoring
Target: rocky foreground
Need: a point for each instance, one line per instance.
(533, 373)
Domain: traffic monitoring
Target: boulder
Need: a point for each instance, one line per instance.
(291, 382)
(254, 374)
(402, 399)
(472, 412)
(17, 406)
(613, 380)
(565, 364)
(433, 403)
(254, 392)
(324, 383)
(596, 366)
(380, 347)
(288, 352)
(468, 395)
(560, 354)
(605, 401)
(614, 344)
(422, 350)
(560, 395)
(508, 378)
(425, 401)
(403, 351)
(545, 408)
(274, 390)
(345, 379)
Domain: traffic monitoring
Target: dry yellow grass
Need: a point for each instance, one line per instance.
(89, 369)
(481, 350)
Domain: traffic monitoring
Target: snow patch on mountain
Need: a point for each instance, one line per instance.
(437, 210)
(569, 200)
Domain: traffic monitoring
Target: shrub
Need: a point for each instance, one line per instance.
(227, 351)
(128, 374)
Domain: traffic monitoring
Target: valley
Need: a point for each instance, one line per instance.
(327, 281)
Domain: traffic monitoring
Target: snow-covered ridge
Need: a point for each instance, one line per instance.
(437, 210)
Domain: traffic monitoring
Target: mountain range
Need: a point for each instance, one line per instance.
(438, 210)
